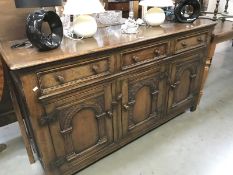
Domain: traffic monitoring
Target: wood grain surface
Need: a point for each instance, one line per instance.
(106, 38)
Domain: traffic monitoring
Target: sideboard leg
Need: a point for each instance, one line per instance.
(193, 108)
(2, 147)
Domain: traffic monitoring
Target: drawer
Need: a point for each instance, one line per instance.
(138, 56)
(190, 42)
(66, 76)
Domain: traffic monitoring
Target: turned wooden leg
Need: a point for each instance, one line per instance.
(216, 10)
(226, 6)
(2, 147)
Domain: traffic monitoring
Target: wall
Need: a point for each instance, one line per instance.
(12, 20)
(12, 26)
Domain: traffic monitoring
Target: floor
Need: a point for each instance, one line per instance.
(198, 143)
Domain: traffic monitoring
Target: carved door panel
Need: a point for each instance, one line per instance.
(83, 126)
(183, 81)
(142, 102)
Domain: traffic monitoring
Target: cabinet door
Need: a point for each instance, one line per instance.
(184, 82)
(142, 102)
(83, 126)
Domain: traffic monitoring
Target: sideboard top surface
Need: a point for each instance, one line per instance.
(105, 39)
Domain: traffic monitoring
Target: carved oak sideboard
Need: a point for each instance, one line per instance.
(88, 98)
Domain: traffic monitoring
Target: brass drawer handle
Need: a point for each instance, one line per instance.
(157, 52)
(135, 59)
(95, 68)
(199, 39)
(60, 78)
(184, 44)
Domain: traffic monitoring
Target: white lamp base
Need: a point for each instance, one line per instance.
(84, 26)
(155, 16)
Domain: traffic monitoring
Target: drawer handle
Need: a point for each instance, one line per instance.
(135, 59)
(157, 52)
(184, 44)
(95, 68)
(199, 39)
(60, 78)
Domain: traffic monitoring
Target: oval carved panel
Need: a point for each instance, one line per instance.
(142, 107)
(182, 91)
(85, 130)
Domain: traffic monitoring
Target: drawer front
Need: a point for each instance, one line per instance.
(138, 56)
(73, 74)
(190, 42)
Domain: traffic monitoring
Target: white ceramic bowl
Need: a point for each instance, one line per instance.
(155, 17)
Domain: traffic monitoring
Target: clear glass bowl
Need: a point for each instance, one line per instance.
(111, 17)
